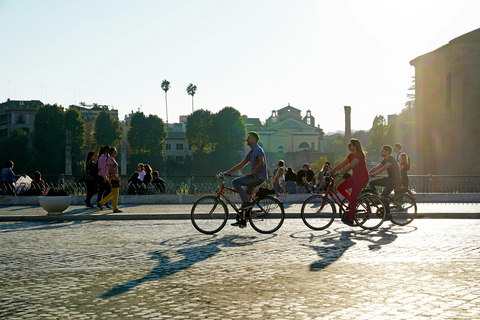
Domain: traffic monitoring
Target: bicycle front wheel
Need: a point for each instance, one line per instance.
(403, 209)
(267, 215)
(370, 212)
(209, 215)
(315, 216)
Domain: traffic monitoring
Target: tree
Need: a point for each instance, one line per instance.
(378, 135)
(318, 164)
(166, 87)
(411, 96)
(363, 136)
(48, 139)
(231, 130)
(191, 89)
(146, 137)
(16, 148)
(198, 132)
(106, 130)
(76, 125)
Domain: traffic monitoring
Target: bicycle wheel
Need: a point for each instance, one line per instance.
(314, 216)
(370, 212)
(403, 209)
(267, 215)
(209, 215)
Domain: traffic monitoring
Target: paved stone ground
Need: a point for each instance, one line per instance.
(179, 211)
(167, 270)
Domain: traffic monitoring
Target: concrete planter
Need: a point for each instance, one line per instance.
(54, 205)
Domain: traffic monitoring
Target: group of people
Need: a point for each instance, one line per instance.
(396, 168)
(9, 179)
(145, 180)
(396, 174)
(102, 177)
(285, 180)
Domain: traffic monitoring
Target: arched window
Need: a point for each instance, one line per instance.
(280, 149)
(20, 118)
(304, 145)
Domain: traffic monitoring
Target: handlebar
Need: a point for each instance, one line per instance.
(222, 175)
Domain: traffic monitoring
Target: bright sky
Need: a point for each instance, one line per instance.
(256, 56)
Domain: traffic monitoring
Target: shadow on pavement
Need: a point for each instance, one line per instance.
(332, 246)
(194, 250)
(35, 226)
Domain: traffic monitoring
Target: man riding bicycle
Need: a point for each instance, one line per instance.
(390, 182)
(258, 173)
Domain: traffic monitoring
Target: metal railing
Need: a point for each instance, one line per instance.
(209, 184)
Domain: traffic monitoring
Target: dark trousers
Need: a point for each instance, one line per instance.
(104, 189)
(384, 182)
(91, 190)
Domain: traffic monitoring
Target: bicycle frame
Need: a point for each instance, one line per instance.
(221, 195)
(336, 198)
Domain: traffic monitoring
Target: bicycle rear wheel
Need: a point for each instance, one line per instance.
(314, 216)
(209, 214)
(370, 212)
(267, 215)
(403, 209)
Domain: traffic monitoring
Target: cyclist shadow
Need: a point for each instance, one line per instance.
(333, 248)
(191, 255)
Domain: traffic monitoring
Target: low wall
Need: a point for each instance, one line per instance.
(287, 198)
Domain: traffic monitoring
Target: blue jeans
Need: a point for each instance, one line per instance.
(250, 182)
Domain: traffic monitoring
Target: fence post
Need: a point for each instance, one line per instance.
(61, 181)
(192, 184)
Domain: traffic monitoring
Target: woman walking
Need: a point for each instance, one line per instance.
(357, 181)
(103, 185)
(404, 167)
(90, 176)
(113, 180)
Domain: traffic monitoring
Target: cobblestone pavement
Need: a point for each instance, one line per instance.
(167, 270)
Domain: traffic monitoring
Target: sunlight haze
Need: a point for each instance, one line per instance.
(256, 56)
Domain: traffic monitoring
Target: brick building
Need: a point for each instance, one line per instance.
(447, 107)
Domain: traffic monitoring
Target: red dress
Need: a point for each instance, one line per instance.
(356, 182)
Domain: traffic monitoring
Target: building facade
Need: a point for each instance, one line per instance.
(447, 107)
(17, 114)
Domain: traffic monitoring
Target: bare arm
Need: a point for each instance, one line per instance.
(383, 168)
(238, 166)
(338, 166)
(350, 166)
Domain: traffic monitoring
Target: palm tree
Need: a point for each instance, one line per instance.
(165, 87)
(191, 91)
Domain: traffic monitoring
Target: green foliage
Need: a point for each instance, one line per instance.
(106, 130)
(49, 139)
(318, 164)
(378, 135)
(146, 137)
(199, 132)
(16, 148)
(230, 130)
(364, 138)
(76, 125)
(338, 161)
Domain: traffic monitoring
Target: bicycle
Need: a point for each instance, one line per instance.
(209, 214)
(318, 211)
(402, 206)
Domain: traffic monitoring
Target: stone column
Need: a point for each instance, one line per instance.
(68, 153)
(348, 128)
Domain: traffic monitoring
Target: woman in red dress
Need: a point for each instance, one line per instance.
(357, 181)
